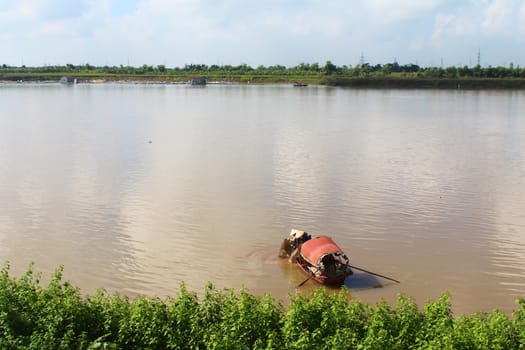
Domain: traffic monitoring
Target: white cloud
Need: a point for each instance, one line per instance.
(401, 10)
(417, 43)
(521, 20)
(481, 20)
(442, 27)
(175, 32)
(499, 18)
(42, 10)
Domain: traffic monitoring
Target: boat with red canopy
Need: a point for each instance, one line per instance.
(320, 258)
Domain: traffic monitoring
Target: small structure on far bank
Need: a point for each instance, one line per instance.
(68, 79)
(198, 81)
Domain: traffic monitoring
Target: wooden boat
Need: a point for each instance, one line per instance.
(320, 258)
(297, 84)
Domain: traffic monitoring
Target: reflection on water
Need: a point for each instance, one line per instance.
(136, 188)
(362, 281)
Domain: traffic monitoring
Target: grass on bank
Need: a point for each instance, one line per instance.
(162, 78)
(393, 81)
(57, 316)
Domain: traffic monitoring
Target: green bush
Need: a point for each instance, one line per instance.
(57, 316)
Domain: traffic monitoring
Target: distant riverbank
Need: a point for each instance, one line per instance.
(162, 78)
(329, 80)
(427, 83)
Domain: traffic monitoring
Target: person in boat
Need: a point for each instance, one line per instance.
(291, 246)
(328, 265)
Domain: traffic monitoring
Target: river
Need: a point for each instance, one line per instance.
(135, 188)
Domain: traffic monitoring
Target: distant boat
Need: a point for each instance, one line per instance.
(68, 80)
(320, 258)
(198, 81)
(299, 84)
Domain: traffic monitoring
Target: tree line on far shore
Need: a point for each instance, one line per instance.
(304, 69)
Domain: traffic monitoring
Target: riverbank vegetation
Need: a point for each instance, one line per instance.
(58, 316)
(388, 75)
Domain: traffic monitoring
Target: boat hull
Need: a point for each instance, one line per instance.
(320, 258)
(324, 279)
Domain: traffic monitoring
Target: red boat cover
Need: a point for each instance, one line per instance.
(314, 249)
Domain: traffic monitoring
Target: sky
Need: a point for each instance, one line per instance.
(262, 32)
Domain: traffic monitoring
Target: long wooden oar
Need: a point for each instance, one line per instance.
(357, 268)
(303, 282)
(306, 280)
(372, 273)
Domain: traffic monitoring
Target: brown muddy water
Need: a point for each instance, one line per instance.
(136, 188)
